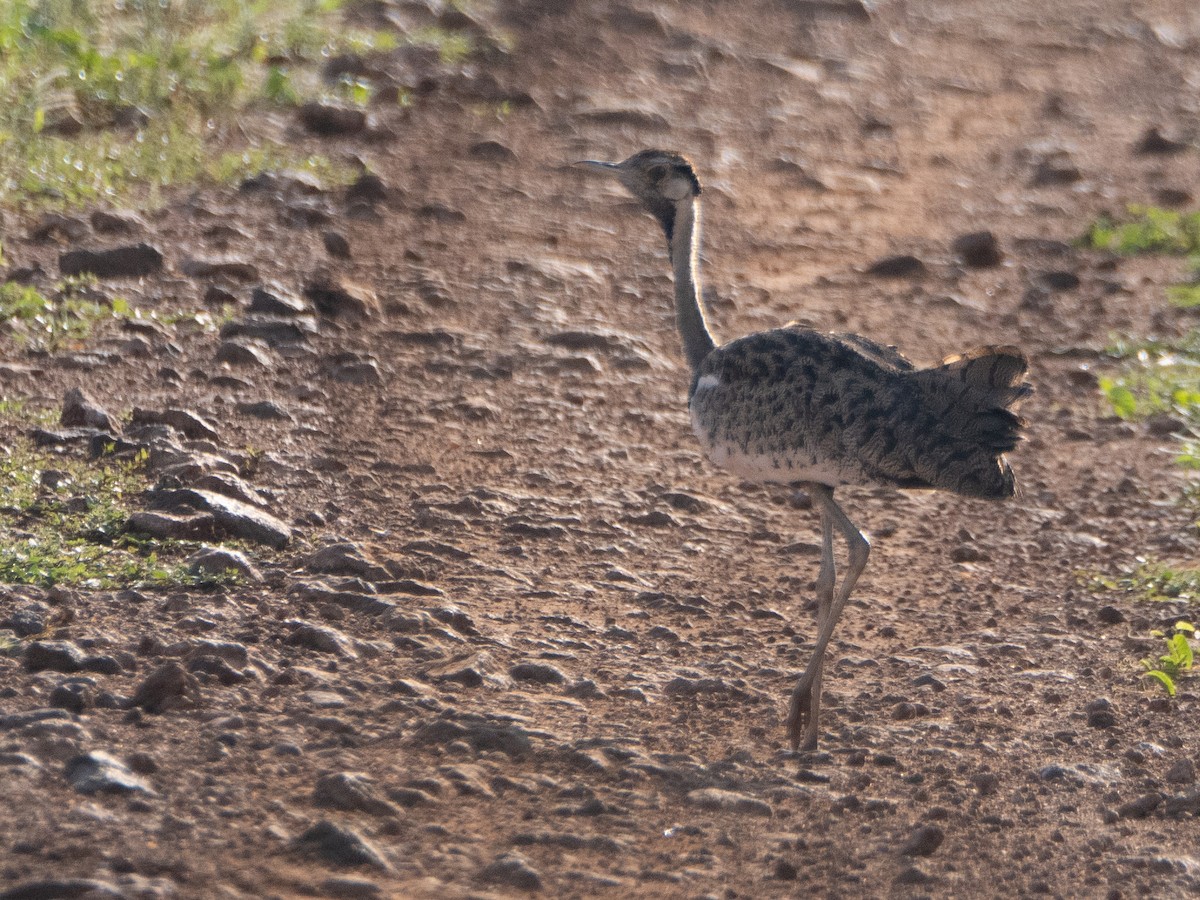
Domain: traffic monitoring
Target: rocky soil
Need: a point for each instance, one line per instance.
(500, 629)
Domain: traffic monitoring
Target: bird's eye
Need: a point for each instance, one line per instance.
(657, 173)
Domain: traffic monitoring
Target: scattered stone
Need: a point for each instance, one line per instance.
(57, 656)
(340, 846)
(117, 222)
(1058, 280)
(1183, 771)
(924, 841)
(511, 870)
(367, 188)
(244, 352)
(182, 420)
(232, 269)
(132, 261)
(979, 249)
(1055, 168)
(718, 799)
(27, 620)
(273, 300)
(275, 331)
(1110, 615)
(233, 517)
(350, 888)
(358, 371)
(352, 791)
(330, 119)
(538, 673)
(785, 871)
(220, 561)
(100, 773)
(1183, 804)
(170, 526)
(481, 735)
(75, 696)
(1139, 808)
(337, 297)
(345, 558)
(491, 151)
(1100, 714)
(64, 889)
(322, 638)
(267, 410)
(1154, 141)
(896, 267)
(913, 875)
(57, 226)
(80, 411)
(167, 687)
(336, 244)
(696, 687)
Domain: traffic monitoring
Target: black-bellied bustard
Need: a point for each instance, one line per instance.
(817, 410)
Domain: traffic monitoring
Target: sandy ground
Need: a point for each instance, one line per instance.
(557, 655)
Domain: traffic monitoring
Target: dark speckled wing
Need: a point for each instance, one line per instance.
(793, 404)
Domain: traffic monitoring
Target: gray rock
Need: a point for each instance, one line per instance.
(167, 687)
(345, 558)
(340, 846)
(1183, 804)
(123, 221)
(491, 151)
(275, 331)
(330, 119)
(321, 638)
(130, 261)
(80, 411)
(720, 800)
(1140, 808)
(169, 526)
(350, 888)
(924, 841)
(75, 696)
(511, 870)
(58, 656)
(538, 673)
(64, 889)
(27, 620)
(267, 410)
(218, 561)
(978, 249)
(337, 297)
(233, 269)
(244, 352)
(896, 267)
(352, 791)
(1100, 714)
(100, 773)
(1183, 771)
(233, 517)
(336, 244)
(480, 735)
(182, 420)
(274, 300)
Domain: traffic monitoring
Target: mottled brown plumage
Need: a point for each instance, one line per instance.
(818, 410)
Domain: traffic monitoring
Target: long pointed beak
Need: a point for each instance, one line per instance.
(598, 166)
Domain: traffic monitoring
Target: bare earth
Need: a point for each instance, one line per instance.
(522, 489)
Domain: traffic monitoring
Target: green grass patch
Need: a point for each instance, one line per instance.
(66, 317)
(1151, 580)
(106, 100)
(62, 522)
(1159, 377)
(1149, 229)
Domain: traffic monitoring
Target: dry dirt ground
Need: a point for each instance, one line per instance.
(556, 656)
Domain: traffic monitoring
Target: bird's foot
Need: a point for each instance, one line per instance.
(800, 721)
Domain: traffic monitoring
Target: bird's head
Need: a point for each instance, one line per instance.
(660, 179)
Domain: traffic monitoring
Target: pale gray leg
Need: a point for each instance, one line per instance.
(808, 706)
(802, 722)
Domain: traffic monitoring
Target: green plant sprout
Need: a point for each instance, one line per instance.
(1171, 666)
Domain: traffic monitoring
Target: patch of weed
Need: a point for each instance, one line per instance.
(1150, 229)
(103, 100)
(62, 522)
(50, 323)
(1151, 580)
(1176, 661)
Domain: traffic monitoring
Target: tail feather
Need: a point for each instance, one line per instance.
(972, 396)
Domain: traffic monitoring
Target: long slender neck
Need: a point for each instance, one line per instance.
(683, 240)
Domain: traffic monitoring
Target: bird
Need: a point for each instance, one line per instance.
(819, 411)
